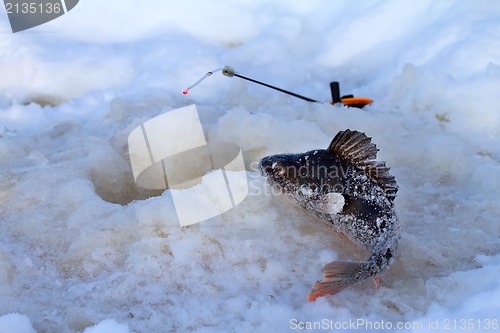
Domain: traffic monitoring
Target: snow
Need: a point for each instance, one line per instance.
(15, 322)
(106, 326)
(83, 249)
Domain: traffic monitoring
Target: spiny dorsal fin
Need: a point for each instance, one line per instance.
(353, 146)
(359, 149)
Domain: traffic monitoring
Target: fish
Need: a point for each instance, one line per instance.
(348, 188)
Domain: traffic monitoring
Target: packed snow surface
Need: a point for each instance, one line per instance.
(83, 249)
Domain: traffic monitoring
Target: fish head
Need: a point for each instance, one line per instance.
(294, 173)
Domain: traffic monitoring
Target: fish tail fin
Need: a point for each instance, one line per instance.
(338, 275)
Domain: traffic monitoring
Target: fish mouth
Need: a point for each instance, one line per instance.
(266, 166)
(272, 168)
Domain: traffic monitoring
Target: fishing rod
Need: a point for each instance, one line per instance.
(348, 100)
(229, 72)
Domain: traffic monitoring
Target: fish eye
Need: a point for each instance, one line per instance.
(278, 169)
(281, 171)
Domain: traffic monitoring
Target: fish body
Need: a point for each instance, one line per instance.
(345, 186)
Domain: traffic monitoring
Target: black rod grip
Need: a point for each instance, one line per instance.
(335, 90)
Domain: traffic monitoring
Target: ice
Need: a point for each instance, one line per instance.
(83, 249)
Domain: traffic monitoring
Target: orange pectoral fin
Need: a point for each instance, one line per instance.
(377, 280)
